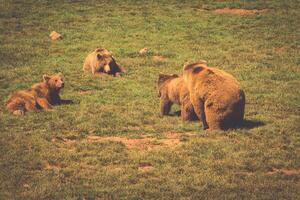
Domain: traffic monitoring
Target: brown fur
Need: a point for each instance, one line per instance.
(40, 96)
(172, 89)
(102, 61)
(216, 96)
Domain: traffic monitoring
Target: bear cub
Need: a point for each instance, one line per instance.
(173, 90)
(40, 96)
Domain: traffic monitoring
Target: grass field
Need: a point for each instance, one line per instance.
(112, 143)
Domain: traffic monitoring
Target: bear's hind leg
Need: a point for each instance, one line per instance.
(18, 112)
(16, 106)
(165, 107)
(187, 112)
(31, 106)
(200, 112)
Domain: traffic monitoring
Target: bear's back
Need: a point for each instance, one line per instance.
(90, 61)
(212, 83)
(177, 90)
(39, 90)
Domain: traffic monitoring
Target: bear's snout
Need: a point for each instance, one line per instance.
(60, 85)
(107, 68)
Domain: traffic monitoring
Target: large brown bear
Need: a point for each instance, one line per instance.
(173, 90)
(102, 61)
(215, 95)
(40, 96)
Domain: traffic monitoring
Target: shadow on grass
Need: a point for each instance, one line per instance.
(249, 124)
(176, 113)
(246, 124)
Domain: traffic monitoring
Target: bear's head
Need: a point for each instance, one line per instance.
(54, 82)
(162, 80)
(105, 60)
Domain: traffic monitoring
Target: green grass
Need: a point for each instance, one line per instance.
(260, 50)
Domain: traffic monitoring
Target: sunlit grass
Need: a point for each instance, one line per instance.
(260, 50)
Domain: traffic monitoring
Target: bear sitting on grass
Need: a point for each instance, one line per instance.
(172, 89)
(216, 96)
(40, 96)
(102, 61)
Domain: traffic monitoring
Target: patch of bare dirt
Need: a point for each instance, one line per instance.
(284, 171)
(114, 168)
(159, 59)
(281, 50)
(172, 139)
(244, 173)
(86, 91)
(49, 166)
(66, 140)
(145, 167)
(145, 142)
(239, 11)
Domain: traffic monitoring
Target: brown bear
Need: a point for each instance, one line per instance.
(102, 61)
(216, 96)
(40, 96)
(173, 90)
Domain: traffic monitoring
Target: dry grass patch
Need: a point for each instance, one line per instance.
(285, 171)
(145, 167)
(49, 166)
(145, 142)
(239, 11)
(86, 92)
(281, 50)
(159, 59)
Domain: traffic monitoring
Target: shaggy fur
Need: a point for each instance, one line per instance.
(102, 61)
(216, 96)
(172, 89)
(40, 96)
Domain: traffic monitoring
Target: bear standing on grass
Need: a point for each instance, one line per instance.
(215, 95)
(40, 96)
(172, 89)
(102, 61)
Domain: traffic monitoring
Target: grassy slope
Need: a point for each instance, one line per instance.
(261, 50)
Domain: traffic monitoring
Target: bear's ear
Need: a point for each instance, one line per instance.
(161, 78)
(98, 49)
(161, 75)
(197, 69)
(60, 74)
(46, 78)
(188, 67)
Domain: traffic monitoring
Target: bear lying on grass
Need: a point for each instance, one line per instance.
(102, 61)
(40, 96)
(215, 95)
(172, 89)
